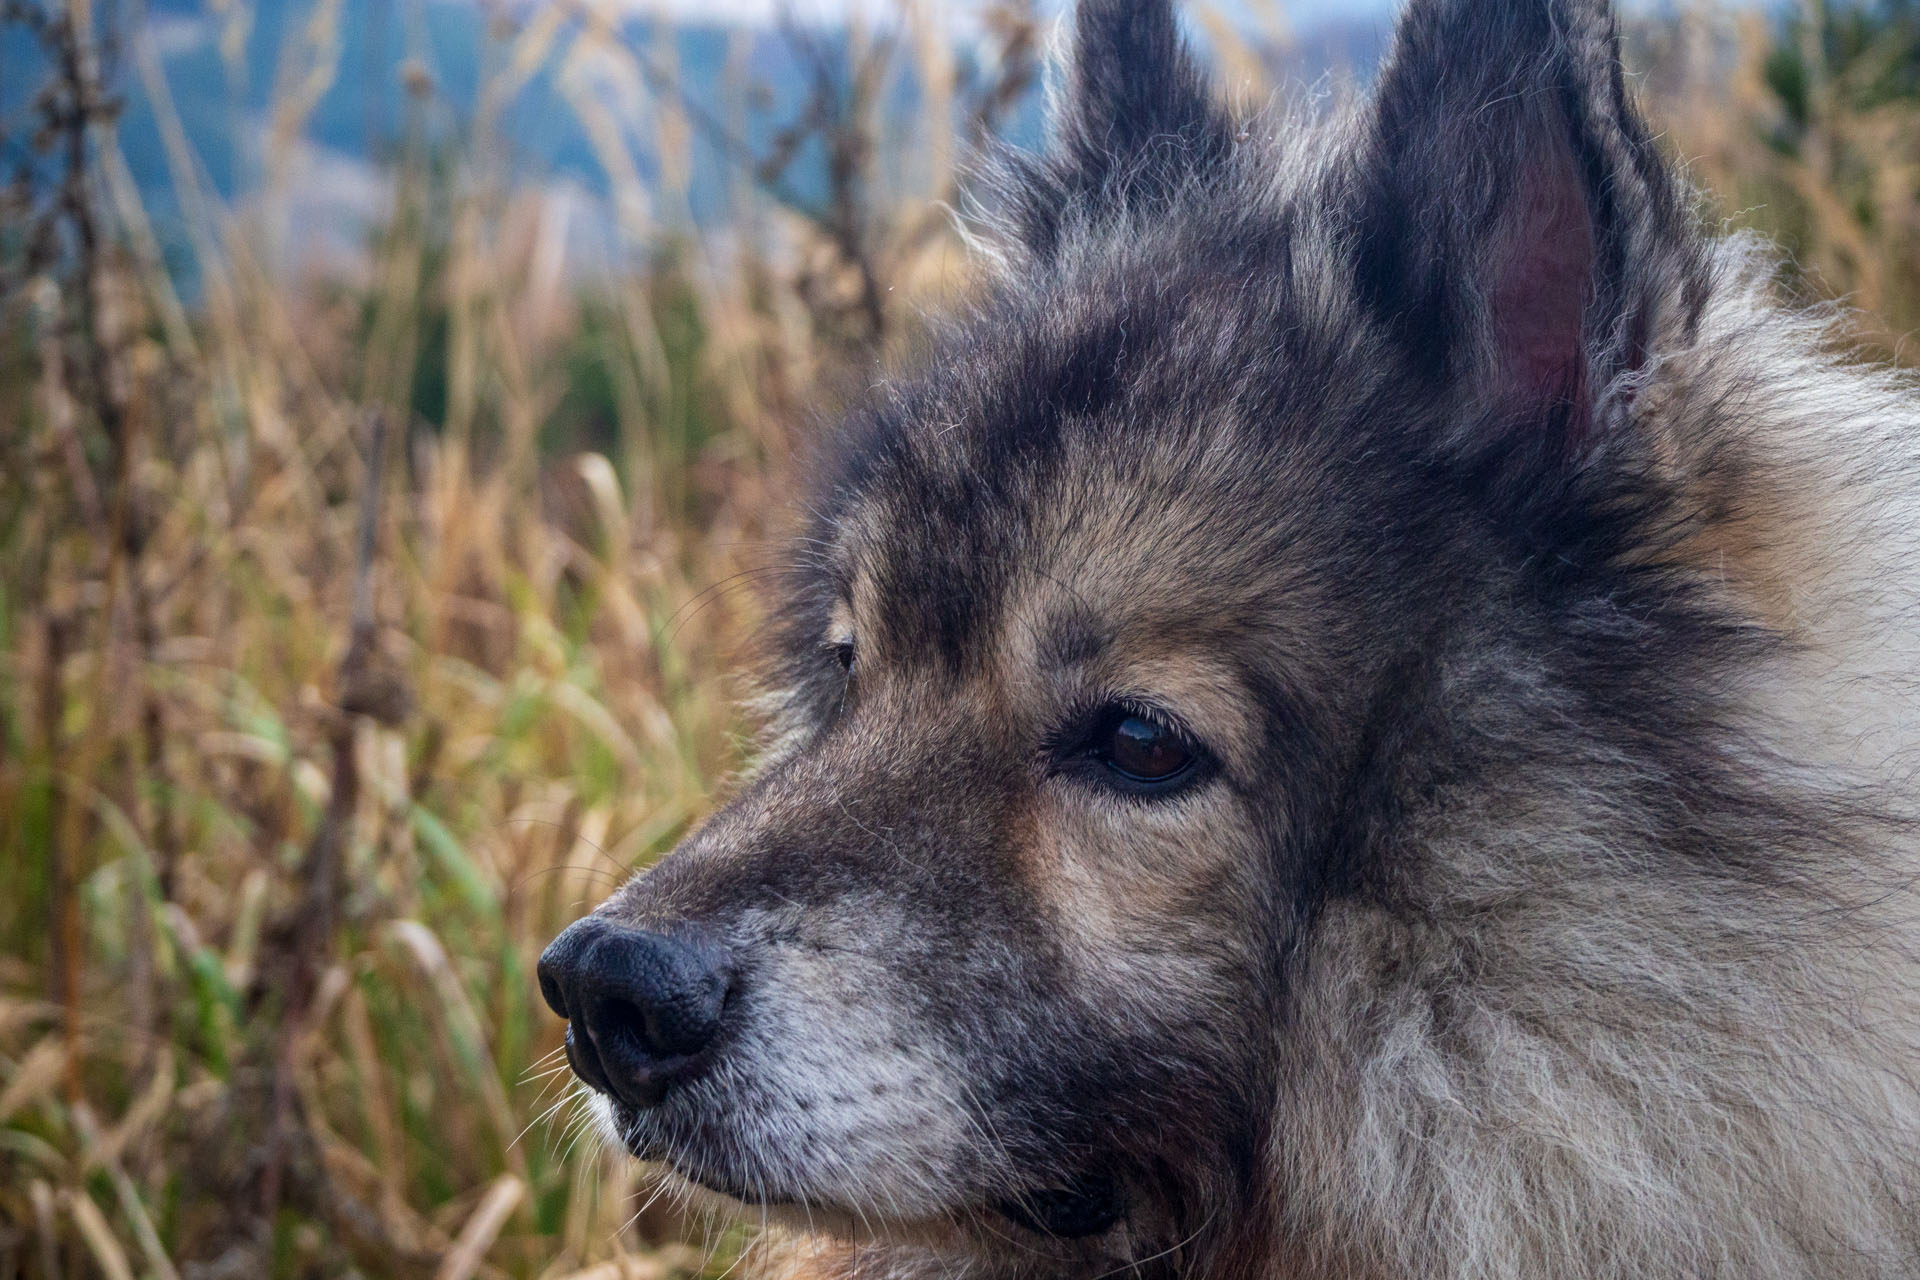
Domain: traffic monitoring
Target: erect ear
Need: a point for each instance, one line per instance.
(1518, 233)
(1137, 124)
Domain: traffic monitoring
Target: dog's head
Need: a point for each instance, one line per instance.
(1276, 509)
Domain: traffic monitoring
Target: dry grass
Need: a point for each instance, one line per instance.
(321, 718)
(321, 711)
(1808, 132)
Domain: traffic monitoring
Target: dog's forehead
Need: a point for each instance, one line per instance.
(1132, 434)
(1149, 519)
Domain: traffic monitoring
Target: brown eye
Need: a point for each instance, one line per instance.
(843, 654)
(1142, 750)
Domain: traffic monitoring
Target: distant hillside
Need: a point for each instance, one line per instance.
(226, 66)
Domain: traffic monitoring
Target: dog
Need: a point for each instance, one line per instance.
(1359, 718)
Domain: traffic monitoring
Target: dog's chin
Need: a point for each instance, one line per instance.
(721, 1189)
(1089, 1206)
(723, 1192)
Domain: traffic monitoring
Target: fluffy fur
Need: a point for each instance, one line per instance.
(1541, 603)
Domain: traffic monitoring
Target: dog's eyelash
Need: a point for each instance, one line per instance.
(1145, 711)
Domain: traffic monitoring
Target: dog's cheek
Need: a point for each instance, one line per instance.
(1157, 1016)
(1157, 901)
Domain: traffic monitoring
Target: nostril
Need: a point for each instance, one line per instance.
(626, 1023)
(566, 962)
(675, 1024)
(550, 990)
(643, 1006)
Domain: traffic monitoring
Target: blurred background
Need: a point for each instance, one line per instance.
(394, 400)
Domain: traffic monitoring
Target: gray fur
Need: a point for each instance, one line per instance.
(1542, 603)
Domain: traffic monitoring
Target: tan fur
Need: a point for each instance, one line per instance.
(1609, 998)
(1621, 1085)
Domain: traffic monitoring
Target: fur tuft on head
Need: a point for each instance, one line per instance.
(1138, 124)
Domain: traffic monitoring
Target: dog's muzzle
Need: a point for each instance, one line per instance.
(643, 1010)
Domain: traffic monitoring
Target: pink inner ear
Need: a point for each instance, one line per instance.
(1540, 290)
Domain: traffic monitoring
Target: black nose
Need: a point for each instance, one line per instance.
(640, 1006)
